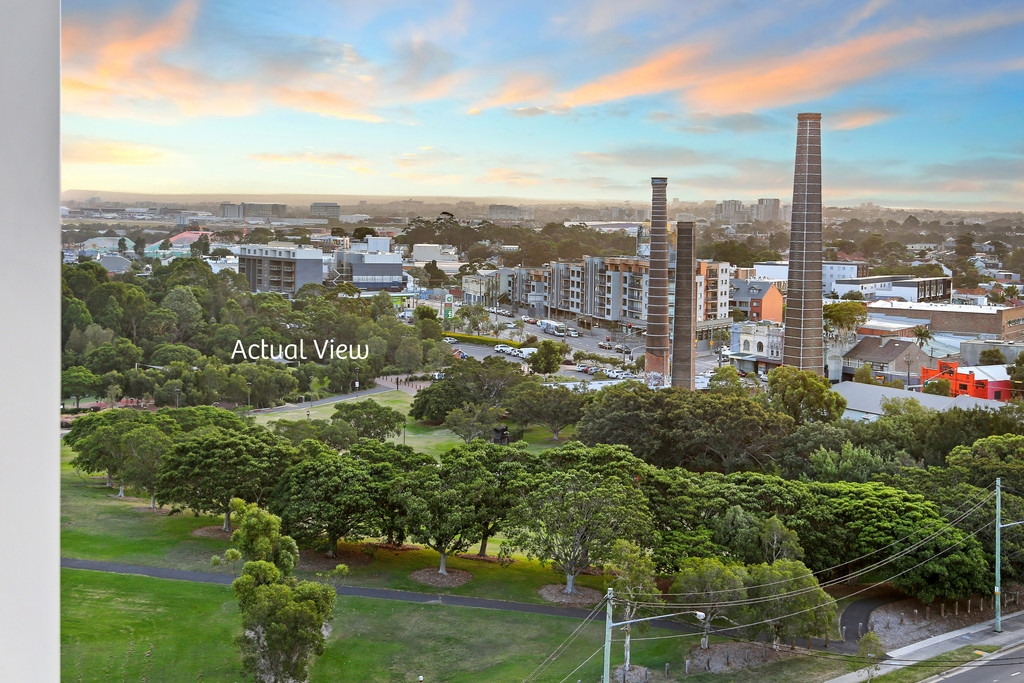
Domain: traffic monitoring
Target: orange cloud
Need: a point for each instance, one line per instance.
(670, 69)
(519, 88)
(859, 118)
(323, 102)
(96, 151)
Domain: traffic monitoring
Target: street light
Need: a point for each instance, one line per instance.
(909, 361)
(609, 625)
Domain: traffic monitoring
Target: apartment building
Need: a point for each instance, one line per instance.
(279, 267)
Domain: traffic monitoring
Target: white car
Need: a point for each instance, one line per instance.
(503, 348)
(450, 340)
(627, 375)
(572, 333)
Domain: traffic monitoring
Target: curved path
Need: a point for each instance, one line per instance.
(849, 647)
(857, 615)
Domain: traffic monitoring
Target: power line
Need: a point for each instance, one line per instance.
(973, 509)
(582, 664)
(567, 642)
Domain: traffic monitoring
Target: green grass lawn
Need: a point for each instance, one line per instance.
(133, 628)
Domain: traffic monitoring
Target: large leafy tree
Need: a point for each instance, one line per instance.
(443, 503)
(211, 466)
(143, 448)
(803, 395)
(326, 496)
(572, 518)
(713, 586)
(472, 421)
(548, 356)
(391, 467)
(369, 419)
(78, 381)
(554, 407)
(787, 601)
(634, 584)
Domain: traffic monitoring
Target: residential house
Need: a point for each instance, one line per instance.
(889, 359)
(758, 299)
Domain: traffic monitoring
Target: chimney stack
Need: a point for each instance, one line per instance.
(656, 357)
(684, 327)
(802, 345)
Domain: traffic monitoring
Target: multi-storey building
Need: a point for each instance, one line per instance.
(906, 287)
(767, 210)
(280, 267)
(371, 265)
(778, 271)
(252, 210)
(325, 210)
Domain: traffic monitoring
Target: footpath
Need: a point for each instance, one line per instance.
(979, 634)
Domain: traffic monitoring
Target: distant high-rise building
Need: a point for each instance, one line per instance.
(803, 346)
(729, 210)
(325, 210)
(768, 210)
(657, 356)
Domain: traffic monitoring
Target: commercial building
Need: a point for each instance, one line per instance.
(280, 267)
(252, 210)
(985, 381)
(991, 322)
(778, 271)
(371, 265)
(325, 210)
(906, 287)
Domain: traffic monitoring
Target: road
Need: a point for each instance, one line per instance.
(587, 341)
(1002, 666)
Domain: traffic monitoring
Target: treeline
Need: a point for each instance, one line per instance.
(566, 505)
(172, 337)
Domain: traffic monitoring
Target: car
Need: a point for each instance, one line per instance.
(510, 326)
(531, 321)
(503, 348)
(572, 332)
(450, 340)
(604, 345)
(627, 375)
(525, 318)
(612, 373)
(580, 367)
(621, 348)
(593, 370)
(437, 375)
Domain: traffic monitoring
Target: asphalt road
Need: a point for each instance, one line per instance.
(1003, 666)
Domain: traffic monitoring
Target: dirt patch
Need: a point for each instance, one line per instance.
(494, 559)
(212, 532)
(726, 657)
(152, 511)
(430, 577)
(583, 597)
(317, 560)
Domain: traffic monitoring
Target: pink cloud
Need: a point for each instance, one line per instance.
(859, 118)
(98, 151)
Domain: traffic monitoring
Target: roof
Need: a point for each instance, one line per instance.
(865, 400)
(746, 290)
(993, 373)
(882, 306)
(878, 349)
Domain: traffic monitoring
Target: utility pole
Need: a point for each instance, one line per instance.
(999, 533)
(606, 676)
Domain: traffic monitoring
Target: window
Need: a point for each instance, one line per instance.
(760, 347)
(746, 346)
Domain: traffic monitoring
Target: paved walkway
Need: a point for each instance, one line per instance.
(978, 634)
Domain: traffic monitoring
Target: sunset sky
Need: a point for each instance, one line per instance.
(922, 101)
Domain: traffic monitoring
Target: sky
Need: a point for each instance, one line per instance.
(921, 100)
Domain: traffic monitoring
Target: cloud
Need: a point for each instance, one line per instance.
(858, 118)
(742, 122)
(515, 89)
(324, 102)
(671, 69)
(98, 151)
(508, 176)
(861, 14)
(645, 156)
(322, 158)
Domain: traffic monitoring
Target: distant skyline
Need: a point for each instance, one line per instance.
(921, 101)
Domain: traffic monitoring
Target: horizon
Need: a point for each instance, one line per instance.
(920, 101)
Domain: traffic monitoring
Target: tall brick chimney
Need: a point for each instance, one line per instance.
(656, 358)
(684, 325)
(802, 345)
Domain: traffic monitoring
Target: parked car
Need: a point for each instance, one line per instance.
(503, 348)
(450, 340)
(510, 326)
(580, 367)
(627, 375)
(621, 348)
(604, 345)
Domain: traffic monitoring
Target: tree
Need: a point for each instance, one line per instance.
(787, 602)
(327, 495)
(803, 395)
(212, 466)
(850, 463)
(726, 381)
(553, 407)
(869, 647)
(78, 381)
(991, 357)
(144, 448)
(922, 335)
(634, 583)
(571, 518)
(472, 421)
(391, 466)
(283, 622)
(443, 510)
(259, 537)
(937, 387)
(713, 585)
(779, 542)
(844, 316)
(548, 356)
(337, 434)
(370, 419)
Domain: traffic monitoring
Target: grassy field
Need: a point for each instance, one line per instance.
(133, 628)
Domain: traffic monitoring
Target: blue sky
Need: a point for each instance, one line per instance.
(921, 101)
